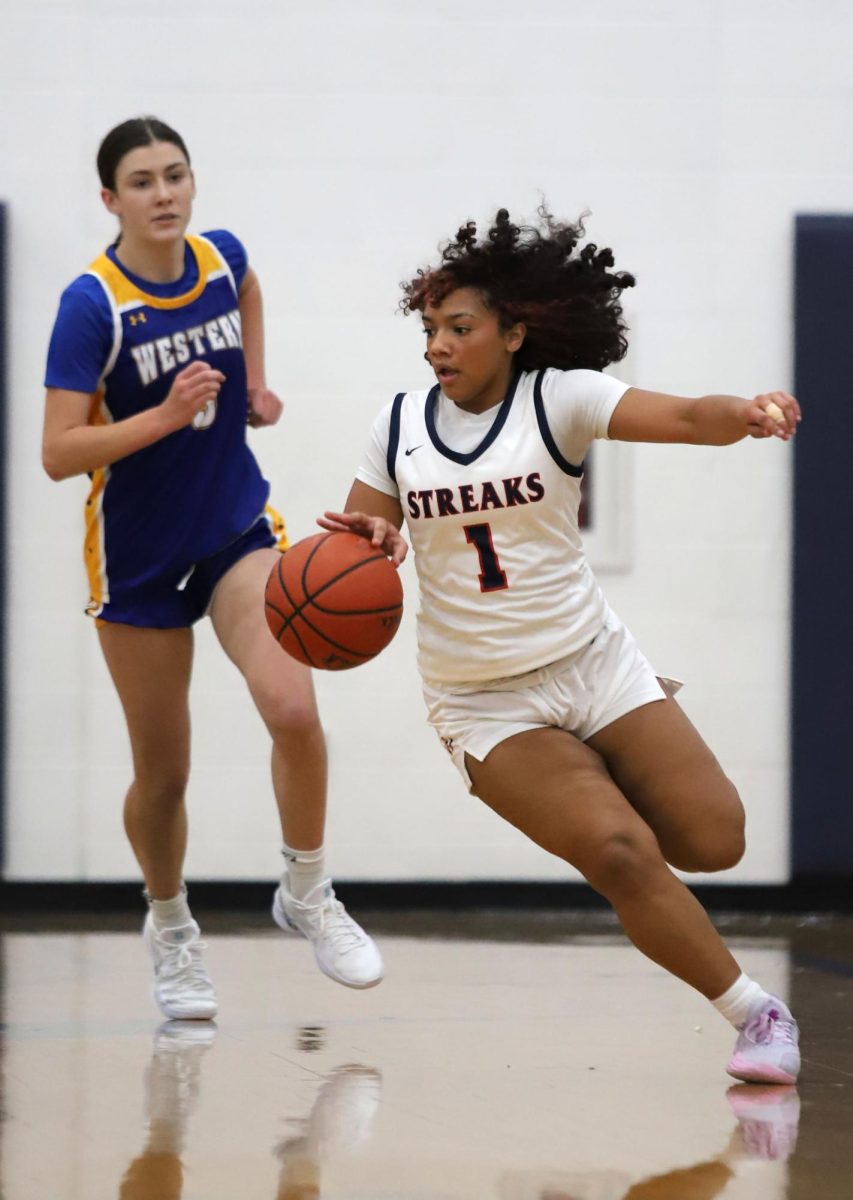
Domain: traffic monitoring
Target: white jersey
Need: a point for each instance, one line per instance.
(491, 502)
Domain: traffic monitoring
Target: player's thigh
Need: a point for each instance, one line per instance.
(280, 686)
(669, 775)
(559, 793)
(151, 671)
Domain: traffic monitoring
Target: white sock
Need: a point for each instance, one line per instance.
(170, 914)
(735, 1004)
(305, 869)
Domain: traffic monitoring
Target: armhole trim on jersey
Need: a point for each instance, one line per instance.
(547, 436)
(117, 327)
(226, 266)
(394, 435)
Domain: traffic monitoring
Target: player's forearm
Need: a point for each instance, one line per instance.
(718, 420)
(85, 448)
(252, 322)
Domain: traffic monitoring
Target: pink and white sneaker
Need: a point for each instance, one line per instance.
(767, 1049)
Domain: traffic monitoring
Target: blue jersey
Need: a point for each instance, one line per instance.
(150, 517)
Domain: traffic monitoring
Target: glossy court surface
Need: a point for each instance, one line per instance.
(506, 1056)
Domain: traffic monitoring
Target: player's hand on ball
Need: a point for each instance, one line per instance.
(193, 390)
(773, 414)
(265, 408)
(377, 530)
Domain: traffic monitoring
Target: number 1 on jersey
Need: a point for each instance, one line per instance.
(492, 577)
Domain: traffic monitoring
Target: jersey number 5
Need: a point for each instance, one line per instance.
(205, 417)
(492, 577)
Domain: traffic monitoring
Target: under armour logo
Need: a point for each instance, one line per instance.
(138, 319)
(412, 449)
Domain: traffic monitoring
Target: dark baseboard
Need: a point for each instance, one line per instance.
(807, 895)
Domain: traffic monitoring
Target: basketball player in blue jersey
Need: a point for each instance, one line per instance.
(156, 363)
(538, 691)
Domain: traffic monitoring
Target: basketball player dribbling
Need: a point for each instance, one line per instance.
(549, 710)
(155, 366)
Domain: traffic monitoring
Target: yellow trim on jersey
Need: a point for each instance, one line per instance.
(277, 527)
(93, 542)
(126, 291)
(93, 545)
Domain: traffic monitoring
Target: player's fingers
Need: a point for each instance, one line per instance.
(795, 405)
(379, 533)
(336, 516)
(204, 385)
(789, 407)
(762, 428)
(782, 410)
(198, 364)
(355, 522)
(198, 369)
(346, 523)
(271, 402)
(766, 419)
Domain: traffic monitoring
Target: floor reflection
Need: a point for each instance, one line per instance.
(766, 1132)
(348, 1098)
(172, 1081)
(480, 1070)
(768, 1120)
(339, 1121)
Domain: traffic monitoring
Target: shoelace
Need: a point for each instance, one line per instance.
(769, 1025)
(183, 961)
(338, 926)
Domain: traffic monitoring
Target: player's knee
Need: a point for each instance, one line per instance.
(719, 845)
(718, 851)
(288, 716)
(622, 863)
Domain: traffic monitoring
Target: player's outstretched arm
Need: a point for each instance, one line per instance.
(642, 416)
(371, 514)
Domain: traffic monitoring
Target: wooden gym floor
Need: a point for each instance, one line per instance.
(506, 1056)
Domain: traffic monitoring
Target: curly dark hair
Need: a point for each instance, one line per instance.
(569, 299)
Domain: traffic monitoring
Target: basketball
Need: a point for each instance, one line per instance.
(333, 601)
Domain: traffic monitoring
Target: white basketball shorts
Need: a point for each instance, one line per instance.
(581, 693)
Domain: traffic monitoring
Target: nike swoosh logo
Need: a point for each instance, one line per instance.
(413, 449)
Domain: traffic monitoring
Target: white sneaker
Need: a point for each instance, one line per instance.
(767, 1048)
(182, 986)
(343, 950)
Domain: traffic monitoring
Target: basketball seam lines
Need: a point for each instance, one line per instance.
(298, 609)
(289, 622)
(329, 582)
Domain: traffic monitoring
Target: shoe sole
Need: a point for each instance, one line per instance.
(281, 919)
(751, 1073)
(175, 1015)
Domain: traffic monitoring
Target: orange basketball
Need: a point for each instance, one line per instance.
(333, 601)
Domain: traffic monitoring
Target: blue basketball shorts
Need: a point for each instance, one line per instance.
(167, 605)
